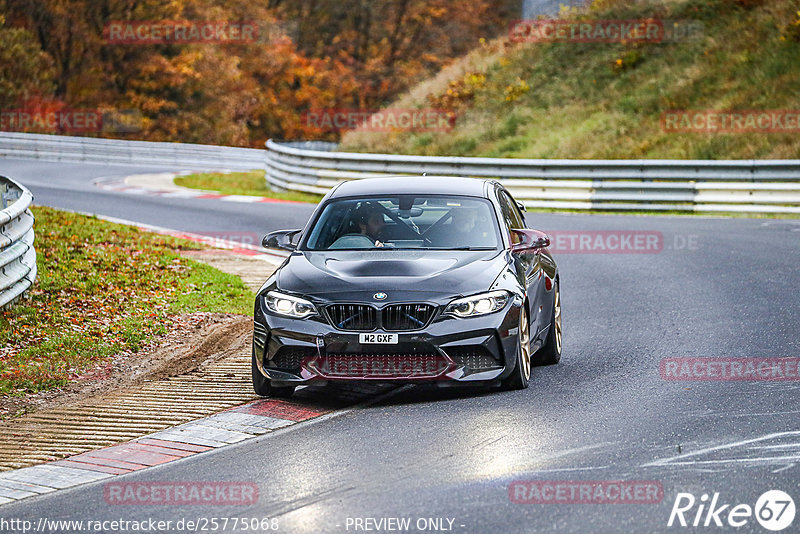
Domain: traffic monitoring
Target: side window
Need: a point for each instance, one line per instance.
(520, 213)
(510, 211)
(520, 216)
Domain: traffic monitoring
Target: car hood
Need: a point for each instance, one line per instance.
(361, 274)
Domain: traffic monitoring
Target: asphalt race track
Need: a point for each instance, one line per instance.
(70, 186)
(722, 288)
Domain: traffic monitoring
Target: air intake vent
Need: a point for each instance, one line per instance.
(401, 317)
(353, 317)
(474, 357)
(378, 366)
(291, 358)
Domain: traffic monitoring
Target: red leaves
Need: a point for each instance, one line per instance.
(103, 288)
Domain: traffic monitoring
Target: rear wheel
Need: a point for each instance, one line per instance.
(263, 386)
(521, 375)
(550, 354)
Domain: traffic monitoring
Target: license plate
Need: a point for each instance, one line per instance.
(378, 339)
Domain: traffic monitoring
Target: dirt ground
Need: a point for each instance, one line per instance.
(197, 338)
(253, 270)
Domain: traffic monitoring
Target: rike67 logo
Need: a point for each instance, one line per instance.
(774, 510)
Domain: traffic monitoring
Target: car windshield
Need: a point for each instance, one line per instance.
(432, 222)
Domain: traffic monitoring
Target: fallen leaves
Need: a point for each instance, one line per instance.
(102, 289)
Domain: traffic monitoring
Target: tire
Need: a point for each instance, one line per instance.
(263, 387)
(521, 375)
(550, 354)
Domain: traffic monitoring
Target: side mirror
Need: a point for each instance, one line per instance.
(529, 241)
(281, 239)
(521, 207)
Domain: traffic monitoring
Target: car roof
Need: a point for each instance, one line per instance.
(413, 185)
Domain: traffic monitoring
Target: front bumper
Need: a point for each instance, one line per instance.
(448, 351)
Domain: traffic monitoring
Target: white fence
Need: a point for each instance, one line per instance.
(17, 255)
(769, 186)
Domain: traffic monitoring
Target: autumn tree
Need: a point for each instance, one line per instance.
(393, 43)
(25, 70)
(311, 54)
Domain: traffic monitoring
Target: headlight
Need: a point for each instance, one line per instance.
(288, 305)
(478, 304)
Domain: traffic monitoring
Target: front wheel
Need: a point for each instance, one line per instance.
(263, 386)
(521, 375)
(550, 354)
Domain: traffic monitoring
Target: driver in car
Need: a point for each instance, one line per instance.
(371, 222)
(464, 220)
(460, 231)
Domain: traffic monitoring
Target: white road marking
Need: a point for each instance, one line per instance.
(683, 459)
(784, 468)
(784, 446)
(737, 461)
(717, 414)
(241, 198)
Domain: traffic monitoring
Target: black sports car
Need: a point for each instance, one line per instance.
(409, 279)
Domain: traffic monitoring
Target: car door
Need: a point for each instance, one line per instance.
(528, 265)
(513, 219)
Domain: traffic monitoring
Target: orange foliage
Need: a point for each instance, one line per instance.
(310, 54)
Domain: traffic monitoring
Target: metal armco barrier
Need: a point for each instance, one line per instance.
(122, 152)
(765, 186)
(17, 255)
(768, 186)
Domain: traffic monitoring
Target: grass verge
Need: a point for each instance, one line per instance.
(241, 183)
(606, 100)
(102, 289)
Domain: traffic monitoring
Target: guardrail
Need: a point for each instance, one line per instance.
(123, 152)
(17, 255)
(769, 186)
